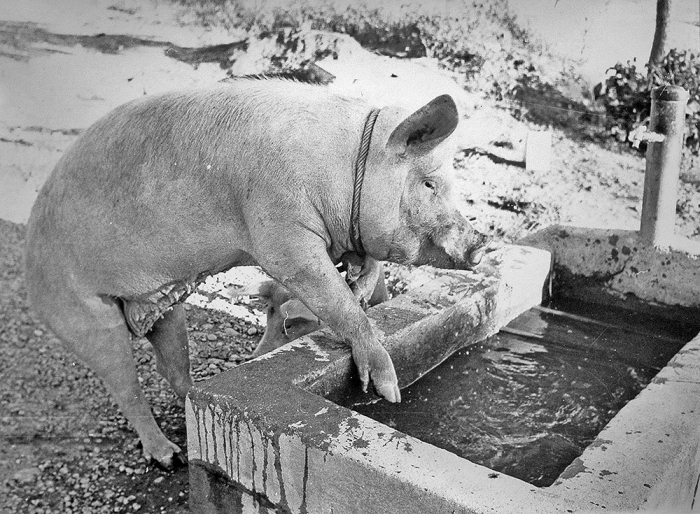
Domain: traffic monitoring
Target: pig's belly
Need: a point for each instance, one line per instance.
(142, 311)
(141, 267)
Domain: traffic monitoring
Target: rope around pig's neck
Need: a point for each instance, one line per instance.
(360, 164)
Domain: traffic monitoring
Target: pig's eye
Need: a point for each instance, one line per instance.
(430, 185)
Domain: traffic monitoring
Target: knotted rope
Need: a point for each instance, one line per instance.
(360, 164)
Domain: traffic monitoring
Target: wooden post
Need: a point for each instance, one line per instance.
(658, 47)
(663, 165)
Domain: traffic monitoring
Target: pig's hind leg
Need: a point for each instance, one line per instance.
(169, 340)
(94, 328)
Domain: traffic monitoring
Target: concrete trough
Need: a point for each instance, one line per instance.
(268, 437)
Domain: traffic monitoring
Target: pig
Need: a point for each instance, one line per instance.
(365, 277)
(168, 189)
(289, 319)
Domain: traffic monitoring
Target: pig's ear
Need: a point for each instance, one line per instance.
(426, 128)
(295, 310)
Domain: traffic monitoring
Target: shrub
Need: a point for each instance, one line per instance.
(478, 40)
(626, 94)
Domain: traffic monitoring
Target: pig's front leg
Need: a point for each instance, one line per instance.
(365, 276)
(314, 279)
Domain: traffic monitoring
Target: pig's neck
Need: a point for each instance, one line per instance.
(334, 182)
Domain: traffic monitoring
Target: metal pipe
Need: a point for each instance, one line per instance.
(663, 165)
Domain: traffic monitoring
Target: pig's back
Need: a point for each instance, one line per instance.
(170, 172)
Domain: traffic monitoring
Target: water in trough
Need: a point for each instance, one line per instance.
(527, 401)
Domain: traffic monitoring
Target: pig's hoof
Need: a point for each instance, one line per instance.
(383, 376)
(168, 458)
(389, 391)
(174, 461)
(375, 365)
(180, 460)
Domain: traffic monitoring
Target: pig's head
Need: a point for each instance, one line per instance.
(287, 318)
(408, 212)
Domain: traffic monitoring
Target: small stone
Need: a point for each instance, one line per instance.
(27, 475)
(207, 326)
(252, 331)
(229, 331)
(211, 337)
(158, 480)
(38, 333)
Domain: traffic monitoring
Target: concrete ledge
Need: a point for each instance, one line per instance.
(616, 260)
(648, 456)
(265, 436)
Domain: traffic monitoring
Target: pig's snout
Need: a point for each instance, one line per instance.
(477, 248)
(458, 246)
(465, 245)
